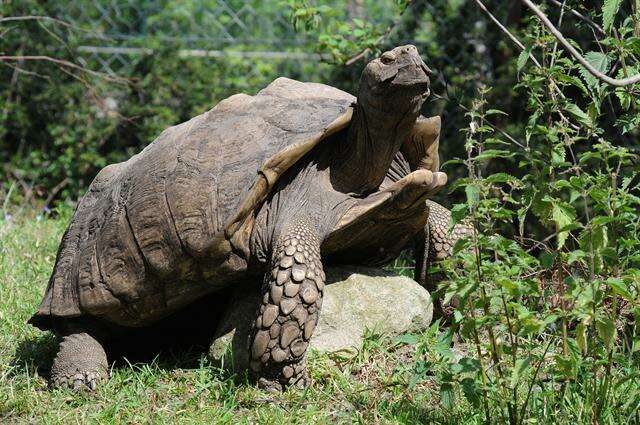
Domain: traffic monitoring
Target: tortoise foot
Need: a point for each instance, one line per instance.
(298, 378)
(81, 363)
(80, 381)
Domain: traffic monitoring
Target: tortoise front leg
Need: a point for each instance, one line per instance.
(292, 298)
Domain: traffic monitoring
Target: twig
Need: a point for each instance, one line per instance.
(576, 55)
(355, 58)
(496, 128)
(67, 64)
(35, 18)
(533, 380)
(506, 31)
(579, 15)
(50, 19)
(24, 71)
(56, 189)
(533, 59)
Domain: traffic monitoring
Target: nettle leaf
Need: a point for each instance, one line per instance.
(471, 391)
(460, 245)
(606, 329)
(628, 122)
(576, 255)
(620, 287)
(407, 339)
(473, 195)
(599, 237)
(599, 61)
(547, 259)
(523, 58)
(447, 395)
(520, 367)
(558, 154)
(624, 97)
(501, 178)
(459, 212)
(578, 114)
(493, 153)
(625, 94)
(563, 215)
(609, 11)
(575, 81)
(581, 336)
(495, 112)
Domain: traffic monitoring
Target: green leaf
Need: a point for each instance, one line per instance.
(599, 237)
(459, 212)
(501, 178)
(523, 57)
(599, 61)
(606, 329)
(624, 97)
(495, 112)
(581, 336)
(578, 114)
(563, 215)
(566, 366)
(521, 366)
(575, 81)
(547, 259)
(407, 339)
(473, 195)
(460, 245)
(620, 287)
(493, 153)
(471, 391)
(575, 256)
(609, 10)
(446, 395)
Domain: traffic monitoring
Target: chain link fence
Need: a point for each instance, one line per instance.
(116, 33)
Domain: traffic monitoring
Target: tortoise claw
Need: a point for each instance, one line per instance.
(87, 381)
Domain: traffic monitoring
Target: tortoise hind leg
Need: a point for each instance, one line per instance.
(81, 362)
(292, 298)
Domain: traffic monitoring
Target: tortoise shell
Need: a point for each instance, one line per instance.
(171, 224)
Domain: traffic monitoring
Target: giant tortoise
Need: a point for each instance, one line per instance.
(266, 187)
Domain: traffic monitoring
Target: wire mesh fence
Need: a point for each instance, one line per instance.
(116, 33)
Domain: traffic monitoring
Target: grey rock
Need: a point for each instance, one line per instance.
(356, 299)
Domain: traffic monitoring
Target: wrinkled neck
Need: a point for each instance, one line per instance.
(374, 138)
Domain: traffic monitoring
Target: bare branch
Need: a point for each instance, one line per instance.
(577, 56)
(24, 71)
(36, 18)
(67, 64)
(506, 31)
(517, 42)
(579, 15)
(358, 56)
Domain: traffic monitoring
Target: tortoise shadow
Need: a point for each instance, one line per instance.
(180, 340)
(34, 355)
(176, 342)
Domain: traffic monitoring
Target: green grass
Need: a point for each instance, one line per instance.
(181, 386)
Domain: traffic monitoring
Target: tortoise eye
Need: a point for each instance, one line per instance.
(387, 58)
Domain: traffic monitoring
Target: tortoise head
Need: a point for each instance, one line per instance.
(396, 83)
